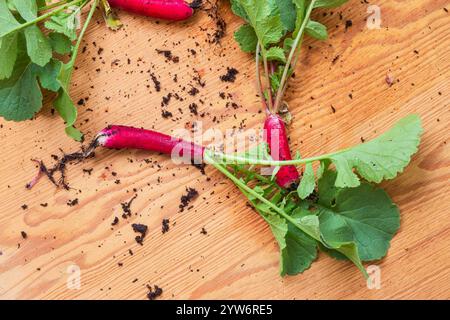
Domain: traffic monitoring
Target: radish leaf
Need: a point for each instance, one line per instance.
(307, 183)
(329, 3)
(60, 43)
(364, 215)
(276, 54)
(65, 22)
(8, 55)
(38, 47)
(381, 158)
(288, 13)
(316, 30)
(246, 38)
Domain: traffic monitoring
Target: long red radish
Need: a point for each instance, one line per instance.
(162, 9)
(123, 137)
(276, 137)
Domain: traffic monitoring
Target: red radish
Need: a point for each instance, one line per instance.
(162, 9)
(276, 137)
(120, 137)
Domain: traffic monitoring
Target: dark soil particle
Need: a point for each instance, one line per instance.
(126, 207)
(115, 221)
(156, 82)
(166, 114)
(193, 91)
(73, 202)
(348, 24)
(142, 229)
(230, 76)
(196, 4)
(154, 293)
(23, 234)
(24, 207)
(203, 231)
(88, 171)
(193, 108)
(186, 199)
(165, 225)
(212, 9)
(168, 55)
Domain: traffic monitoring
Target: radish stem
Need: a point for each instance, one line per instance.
(284, 78)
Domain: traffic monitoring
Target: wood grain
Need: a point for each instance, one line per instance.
(238, 258)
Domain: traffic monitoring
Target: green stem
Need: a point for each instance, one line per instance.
(80, 36)
(42, 18)
(258, 79)
(233, 159)
(51, 6)
(241, 185)
(291, 55)
(267, 76)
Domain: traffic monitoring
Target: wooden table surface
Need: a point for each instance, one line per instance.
(238, 257)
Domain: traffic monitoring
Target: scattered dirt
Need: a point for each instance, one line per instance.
(165, 225)
(186, 199)
(154, 293)
(168, 55)
(142, 229)
(230, 76)
(126, 207)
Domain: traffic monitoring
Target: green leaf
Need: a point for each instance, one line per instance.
(26, 8)
(307, 183)
(299, 253)
(300, 12)
(364, 215)
(279, 228)
(8, 55)
(276, 54)
(65, 22)
(20, 95)
(264, 20)
(48, 75)
(60, 43)
(329, 3)
(381, 158)
(238, 9)
(316, 30)
(297, 250)
(270, 30)
(41, 3)
(64, 104)
(7, 20)
(246, 38)
(288, 13)
(38, 47)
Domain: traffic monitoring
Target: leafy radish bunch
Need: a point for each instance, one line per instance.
(30, 55)
(337, 209)
(274, 30)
